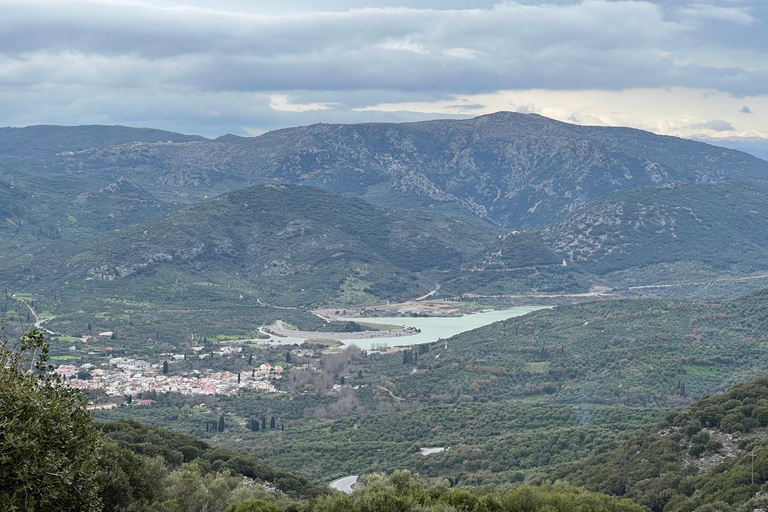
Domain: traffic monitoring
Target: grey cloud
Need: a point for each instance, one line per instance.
(525, 109)
(746, 110)
(569, 45)
(154, 62)
(731, 14)
(715, 125)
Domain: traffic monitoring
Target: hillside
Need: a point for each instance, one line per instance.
(515, 170)
(720, 226)
(282, 244)
(46, 212)
(631, 352)
(39, 142)
(698, 457)
(176, 449)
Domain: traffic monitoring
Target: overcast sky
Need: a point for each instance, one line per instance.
(694, 68)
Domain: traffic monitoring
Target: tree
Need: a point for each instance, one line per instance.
(288, 357)
(165, 367)
(221, 423)
(90, 327)
(272, 422)
(47, 439)
(254, 506)
(263, 423)
(127, 480)
(250, 359)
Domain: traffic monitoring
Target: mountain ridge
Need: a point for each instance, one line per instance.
(515, 170)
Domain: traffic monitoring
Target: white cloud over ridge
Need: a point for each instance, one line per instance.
(210, 67)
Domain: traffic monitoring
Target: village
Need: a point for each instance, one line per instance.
(128, 377)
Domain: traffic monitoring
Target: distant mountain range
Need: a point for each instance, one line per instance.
(514, 170)
(503, 203)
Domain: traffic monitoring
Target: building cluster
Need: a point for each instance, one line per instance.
(130, 377)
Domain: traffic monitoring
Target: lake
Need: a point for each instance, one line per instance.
(432, 328)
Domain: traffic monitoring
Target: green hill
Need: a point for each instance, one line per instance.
(176, 449)
(720, 226)
(286, 245)
(696, 460)
(52, 211)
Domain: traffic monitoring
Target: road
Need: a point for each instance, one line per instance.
(344, 484)
(433, 292)
(39, 323)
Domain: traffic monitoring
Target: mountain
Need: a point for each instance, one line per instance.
(698, 459)
(37, 142)
(722, 226)
(282, 244)
(515, 170)
(49, 211)
(753, 145)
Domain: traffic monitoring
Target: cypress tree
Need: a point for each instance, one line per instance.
(272, 423)
(221, 423)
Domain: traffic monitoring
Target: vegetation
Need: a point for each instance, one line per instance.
(515, 400)
(699, 459)
(47, 442)
(132, 467)
(403, 492)
(177, 449)
(718, 226)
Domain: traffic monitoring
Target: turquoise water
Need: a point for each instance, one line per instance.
(432, 328)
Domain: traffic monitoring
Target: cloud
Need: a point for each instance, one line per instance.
(682, 112)
(283, 103)
(709, 12)
(745, 110)
(716, 125)
(224, 65)
(508, 45)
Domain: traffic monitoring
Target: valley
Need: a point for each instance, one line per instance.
(343, 300)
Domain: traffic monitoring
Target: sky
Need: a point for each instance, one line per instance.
(690, 68)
